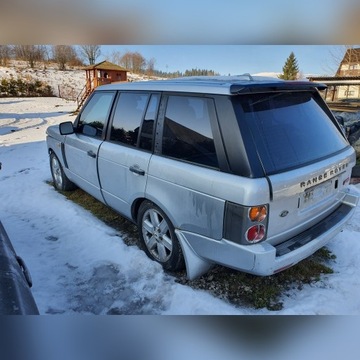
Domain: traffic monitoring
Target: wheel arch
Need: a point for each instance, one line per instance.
(57, 148)
(173, 261)
(136, 206)
(67, 183)
(52, 151)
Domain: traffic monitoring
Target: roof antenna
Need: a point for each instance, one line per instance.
(249, 76)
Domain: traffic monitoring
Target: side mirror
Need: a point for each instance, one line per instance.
(66, 128)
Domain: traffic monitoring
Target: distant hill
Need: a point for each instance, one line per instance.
(267, 74)
(66, 84)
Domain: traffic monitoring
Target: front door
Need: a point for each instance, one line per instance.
(82, 147)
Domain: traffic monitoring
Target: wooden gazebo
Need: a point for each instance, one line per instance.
(102, 73)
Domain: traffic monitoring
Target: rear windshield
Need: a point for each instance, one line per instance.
(289, 129)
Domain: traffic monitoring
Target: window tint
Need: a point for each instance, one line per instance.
(187, 132)
(127, 118)
(289, 129)
(95, 113)
(147, 129)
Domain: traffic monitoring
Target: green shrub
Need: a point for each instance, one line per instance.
(20, 88)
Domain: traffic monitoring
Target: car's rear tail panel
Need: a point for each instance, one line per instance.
(303, 197)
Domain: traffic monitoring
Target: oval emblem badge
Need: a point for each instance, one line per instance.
(284, 213)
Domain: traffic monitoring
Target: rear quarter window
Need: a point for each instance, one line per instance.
(187, 133)
(289, 129)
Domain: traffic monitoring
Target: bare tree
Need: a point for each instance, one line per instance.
(126, 60)
(139, 63)
(115, 57)
(90, 52)
(133, 61)
(30, 53)
(150, 66)
(47, 54)
(63, 54)
(5, 54)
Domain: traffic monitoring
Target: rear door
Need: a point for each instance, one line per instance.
(184, 177)
(81, 148)
(124, 157)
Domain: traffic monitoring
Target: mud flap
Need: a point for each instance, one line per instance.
(195, 265)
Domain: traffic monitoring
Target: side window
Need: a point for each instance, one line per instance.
(127, 118)
(187, 132)
(95, 114)
(147, 128)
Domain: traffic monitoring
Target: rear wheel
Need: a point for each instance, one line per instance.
(158, 235)
(61, 182)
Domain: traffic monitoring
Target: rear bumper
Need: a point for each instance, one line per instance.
(303, 245)
(264, 259)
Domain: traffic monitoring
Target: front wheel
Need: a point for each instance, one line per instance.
(61, 182)
(158, 235)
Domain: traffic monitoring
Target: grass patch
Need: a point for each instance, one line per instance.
(258, 292)
(238, 288)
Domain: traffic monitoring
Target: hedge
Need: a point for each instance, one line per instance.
(20, 88)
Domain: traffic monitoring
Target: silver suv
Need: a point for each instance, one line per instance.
(246, 172)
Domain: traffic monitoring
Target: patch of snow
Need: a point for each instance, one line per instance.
(267, 74)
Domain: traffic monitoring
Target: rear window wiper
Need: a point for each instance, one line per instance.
(265, 98)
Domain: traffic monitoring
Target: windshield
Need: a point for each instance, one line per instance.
(289, 129)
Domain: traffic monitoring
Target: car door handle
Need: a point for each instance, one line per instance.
(91, 154)
(136, 170)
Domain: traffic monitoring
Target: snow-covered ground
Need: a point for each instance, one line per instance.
(66, 84)
(80, 265)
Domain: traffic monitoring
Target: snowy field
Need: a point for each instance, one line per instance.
(66, 84)
(81, 266)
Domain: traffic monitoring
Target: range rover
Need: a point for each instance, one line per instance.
(251, 173)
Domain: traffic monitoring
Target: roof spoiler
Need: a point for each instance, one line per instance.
(275, 86)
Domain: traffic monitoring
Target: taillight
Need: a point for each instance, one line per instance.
(245, 224)
(255, 233)
(258, 213)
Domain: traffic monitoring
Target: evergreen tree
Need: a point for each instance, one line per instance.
(290, 69)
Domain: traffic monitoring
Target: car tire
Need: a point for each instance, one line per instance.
(61, 181)
(158, 237)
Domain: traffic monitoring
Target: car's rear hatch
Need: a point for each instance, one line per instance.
(303, 153)
(303, 197)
